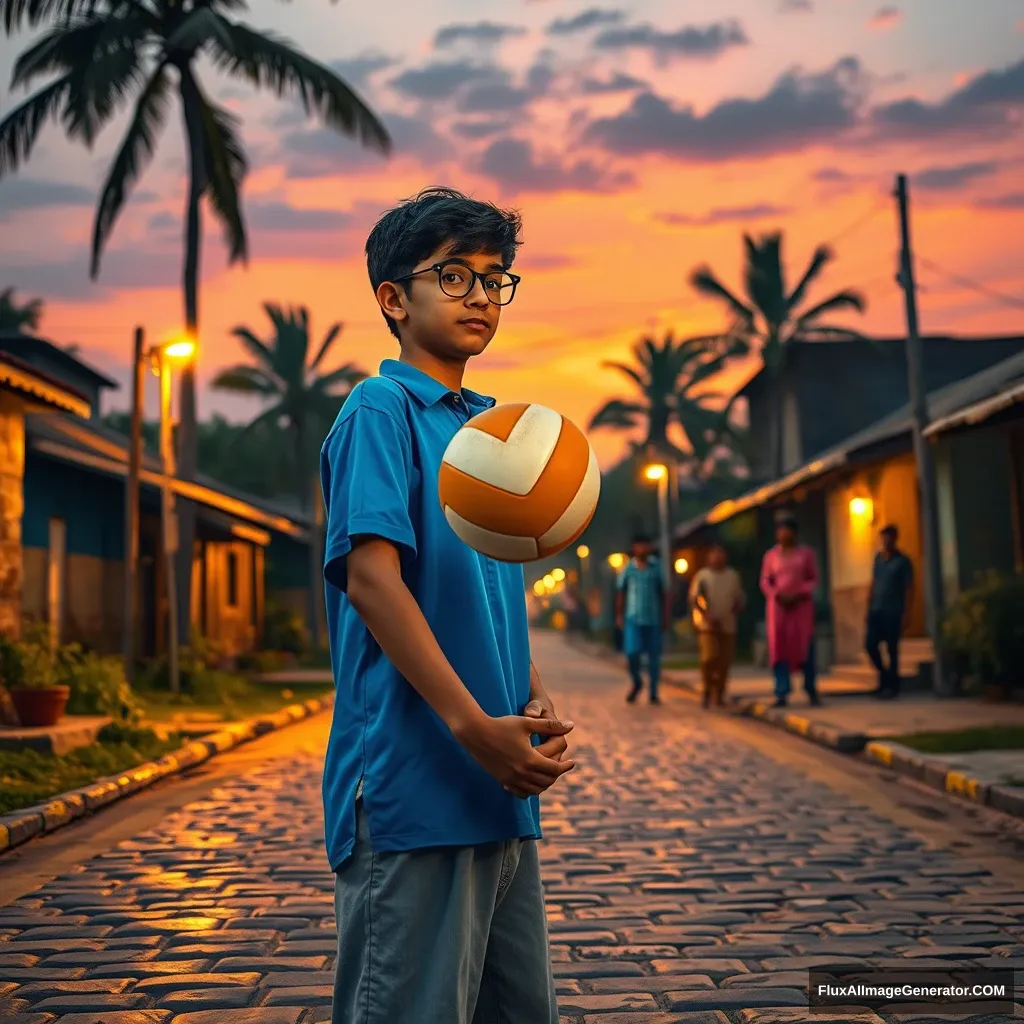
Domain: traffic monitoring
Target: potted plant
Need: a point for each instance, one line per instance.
(28, 669)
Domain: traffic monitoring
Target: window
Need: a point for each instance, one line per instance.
(232, 579)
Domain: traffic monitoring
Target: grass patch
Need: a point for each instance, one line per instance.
(224, 697)
(964, 741)
(28, 777)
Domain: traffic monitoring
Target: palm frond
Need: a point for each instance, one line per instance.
(245, 379)
(822, 255)
(618, 414)
(132, 158)
(704, 281)
(20, 128)
(329, 339)
(847, 299)
(225, 164)
(259, 350)
(349, 374)
(633, 374)
(267, 60)
(765, 277)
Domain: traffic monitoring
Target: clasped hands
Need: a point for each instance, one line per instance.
(503, 747)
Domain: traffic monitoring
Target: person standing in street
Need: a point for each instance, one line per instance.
(642, 613)
(889, 600)
(789, 575)
(716, 598)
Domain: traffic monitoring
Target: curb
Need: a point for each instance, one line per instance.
(931, 771)
(825, 735)
(20, 826)
(937, 774)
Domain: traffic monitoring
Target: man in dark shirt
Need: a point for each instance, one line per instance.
(892, 582)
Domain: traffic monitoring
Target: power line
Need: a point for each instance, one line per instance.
(855, 225)
(966, 282)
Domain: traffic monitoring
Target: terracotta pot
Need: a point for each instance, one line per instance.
(40, 707)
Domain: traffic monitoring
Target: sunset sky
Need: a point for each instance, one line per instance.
(638, 141)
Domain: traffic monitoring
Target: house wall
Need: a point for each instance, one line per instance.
(841, 387)
(853, 540)
(981, 478)
(287, 574)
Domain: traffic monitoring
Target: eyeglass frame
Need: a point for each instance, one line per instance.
(477, 276)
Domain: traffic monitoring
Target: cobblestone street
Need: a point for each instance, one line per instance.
(691, 876)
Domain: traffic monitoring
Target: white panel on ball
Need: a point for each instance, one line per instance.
(502, 546)
(579, 508)
(514, 465)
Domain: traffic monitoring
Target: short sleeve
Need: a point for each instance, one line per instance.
(366, 471)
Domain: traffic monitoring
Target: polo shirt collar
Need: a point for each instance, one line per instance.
(424, 388)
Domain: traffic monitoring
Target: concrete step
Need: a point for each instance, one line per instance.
(913, 677)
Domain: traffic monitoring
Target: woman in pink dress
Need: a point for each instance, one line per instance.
(789, 575)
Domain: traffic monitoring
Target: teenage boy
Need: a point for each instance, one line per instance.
(642, 613)
(432, 776)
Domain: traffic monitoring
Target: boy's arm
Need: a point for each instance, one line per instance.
(366, 468)
(501, 745)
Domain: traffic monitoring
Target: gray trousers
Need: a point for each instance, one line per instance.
(451, 935)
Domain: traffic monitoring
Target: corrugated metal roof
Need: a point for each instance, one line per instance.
(950, 406)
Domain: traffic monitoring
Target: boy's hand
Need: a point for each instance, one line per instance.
(542, 708)
(502, 747)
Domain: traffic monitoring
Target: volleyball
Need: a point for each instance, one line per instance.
(519, 482)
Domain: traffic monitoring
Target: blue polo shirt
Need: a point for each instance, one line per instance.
(378, 469)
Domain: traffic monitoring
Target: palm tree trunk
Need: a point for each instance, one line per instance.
(187, 433)
(778, 411)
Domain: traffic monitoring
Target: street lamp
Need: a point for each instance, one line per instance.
(658, 473)
(161, 357)
(617, 560)
(681, 566)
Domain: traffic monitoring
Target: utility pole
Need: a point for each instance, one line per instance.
(933, 599)
(131, 511)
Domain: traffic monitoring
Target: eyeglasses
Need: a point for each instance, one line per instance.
(457, 280)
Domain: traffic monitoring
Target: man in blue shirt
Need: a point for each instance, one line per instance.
(642, 613)
(432, 775)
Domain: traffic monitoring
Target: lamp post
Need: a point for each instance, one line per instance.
(161, 359)
(658, 473)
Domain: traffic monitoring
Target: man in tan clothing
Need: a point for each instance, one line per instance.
(716, 597)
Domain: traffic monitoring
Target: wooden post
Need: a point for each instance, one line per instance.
(131, 511)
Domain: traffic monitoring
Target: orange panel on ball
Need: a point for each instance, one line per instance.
(500, 420)
(528, 515)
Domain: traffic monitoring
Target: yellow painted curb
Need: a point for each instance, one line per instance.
(879, 752)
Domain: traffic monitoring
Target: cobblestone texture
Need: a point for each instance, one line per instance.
(690, 880)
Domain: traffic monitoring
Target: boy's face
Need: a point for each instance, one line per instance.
(450, 328)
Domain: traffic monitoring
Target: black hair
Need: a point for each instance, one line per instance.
(787, 519)
(420, 225)
(641, 538)
(891, 529)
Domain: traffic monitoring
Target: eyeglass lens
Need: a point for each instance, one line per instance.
(457, 282)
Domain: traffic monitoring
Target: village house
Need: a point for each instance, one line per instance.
(844, 484)
(64, 476)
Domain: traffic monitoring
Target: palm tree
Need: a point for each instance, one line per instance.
(671, 378)
(99, 55)
(770, 317)
(19, 318)
(304, 401)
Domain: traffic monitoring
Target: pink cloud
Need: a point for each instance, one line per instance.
(885, 18)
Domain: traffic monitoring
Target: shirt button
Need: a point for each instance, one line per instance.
(456, 399)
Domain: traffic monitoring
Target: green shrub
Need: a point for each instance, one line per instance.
(30, 663)
(983, 633)
(284, 630)
(98, 685)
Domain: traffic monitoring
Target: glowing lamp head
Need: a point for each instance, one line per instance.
(583, 551)
(681, 565)
(180, 349)
(655, 472)
(617, 560)
(549, 581)
(861, 508)
(538, 588)
(558, 575)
